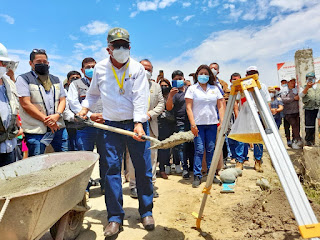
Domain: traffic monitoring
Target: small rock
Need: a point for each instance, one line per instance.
(227, 176)
(203, 234)
(263, 184)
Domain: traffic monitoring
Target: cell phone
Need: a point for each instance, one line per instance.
(174, 83)
(161, 73)
(12, 65)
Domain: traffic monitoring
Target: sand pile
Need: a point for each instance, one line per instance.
(268, 217)
(42, 179)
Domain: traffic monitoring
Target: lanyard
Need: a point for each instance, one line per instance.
(123, 75)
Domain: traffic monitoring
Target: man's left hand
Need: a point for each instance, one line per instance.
(51, 119)
(138, 129)
(10, 73)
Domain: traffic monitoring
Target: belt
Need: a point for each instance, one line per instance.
(124, 121)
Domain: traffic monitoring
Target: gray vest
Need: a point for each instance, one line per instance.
(82, 87)
(30, 124)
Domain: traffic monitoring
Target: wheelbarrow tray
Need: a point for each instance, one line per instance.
(29, 216)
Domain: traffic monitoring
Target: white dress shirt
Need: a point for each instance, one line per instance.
(73, 99)
(204, 105)
(133, 104)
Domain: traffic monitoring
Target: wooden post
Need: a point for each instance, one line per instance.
(304, 64)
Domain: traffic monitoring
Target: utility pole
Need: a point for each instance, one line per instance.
(304, 64)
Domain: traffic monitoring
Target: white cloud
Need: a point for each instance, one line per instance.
(213, 3)
(166, 3)
(7, 18)
(289, 5)
(237, 49)
(95, 28)
(93, 47)
(72, 37)
(144, 6)
(187, 18)
(147, 6)
(186, 4)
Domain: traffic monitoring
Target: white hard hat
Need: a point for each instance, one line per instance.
(4, 53)
(252, 68)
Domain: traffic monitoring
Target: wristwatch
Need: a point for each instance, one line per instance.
(60, 114)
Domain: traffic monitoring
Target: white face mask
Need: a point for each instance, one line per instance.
(3, 70)
(272, 95)
(148, 74)
(214, 72)
(121, 55)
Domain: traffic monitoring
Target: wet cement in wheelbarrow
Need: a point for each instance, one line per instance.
(40, 180)
(174, 140)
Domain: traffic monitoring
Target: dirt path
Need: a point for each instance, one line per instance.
(249, 213)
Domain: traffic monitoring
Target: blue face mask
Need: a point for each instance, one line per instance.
(203, 78)
(177, 83)
(89, 72)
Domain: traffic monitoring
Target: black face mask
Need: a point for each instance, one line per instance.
(41, 68)
(165, 90)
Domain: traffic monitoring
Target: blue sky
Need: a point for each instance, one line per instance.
(173, 34)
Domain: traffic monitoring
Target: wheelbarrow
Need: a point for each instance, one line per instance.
(61, 205)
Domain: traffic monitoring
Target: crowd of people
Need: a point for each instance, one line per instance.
(120, 92)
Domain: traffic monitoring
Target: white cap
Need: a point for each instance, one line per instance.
(252, 68)
(4, 54)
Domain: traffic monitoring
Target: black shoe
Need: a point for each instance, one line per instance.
(102, 190)
(216, 180)
(309, 143)
(185, 175)
(196, 182)
(133, 193)
(155, 194)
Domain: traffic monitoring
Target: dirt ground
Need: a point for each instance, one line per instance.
(249, 213)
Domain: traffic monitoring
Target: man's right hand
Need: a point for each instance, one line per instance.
(310, 84)
(173, 91)
(83, 113)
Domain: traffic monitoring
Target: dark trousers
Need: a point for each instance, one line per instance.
(7, 158)
(310, 122)
(166, 129)
(294, 121)
(286, 125)
(115, 145)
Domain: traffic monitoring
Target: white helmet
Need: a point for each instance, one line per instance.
(4, 53)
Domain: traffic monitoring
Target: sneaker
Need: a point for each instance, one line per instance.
(295, 145)
(167, 170)
(172, 168)
(309, 143)
(289, 143)
(233, 161)
(257, 166)
(133, 193)
(239, 165)
(185, 175)
(196, 182)
(179, 169)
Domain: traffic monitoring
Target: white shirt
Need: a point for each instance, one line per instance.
(73, 99)
(204, 105)
(133, 104)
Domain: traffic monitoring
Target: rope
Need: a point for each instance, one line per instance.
(4, 208)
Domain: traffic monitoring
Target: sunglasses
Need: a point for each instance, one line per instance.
(36, 50)
(118, 45)
(251, 72)
(74, 78)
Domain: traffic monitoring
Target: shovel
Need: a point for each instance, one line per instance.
(173, 140)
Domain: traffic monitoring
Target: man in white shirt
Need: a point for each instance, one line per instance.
(122, 84)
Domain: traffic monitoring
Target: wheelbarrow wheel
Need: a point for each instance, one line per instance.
(74, 225)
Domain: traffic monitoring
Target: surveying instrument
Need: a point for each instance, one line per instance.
(304, 215)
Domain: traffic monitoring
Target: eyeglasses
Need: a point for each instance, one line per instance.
(118, 45)
(36, 50)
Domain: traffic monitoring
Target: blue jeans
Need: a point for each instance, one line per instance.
(115, 145)
(59, 142)
(257, 151)
(179, 152)
(86, 139)
(206, 140)
(278, 122)
(7, 158)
